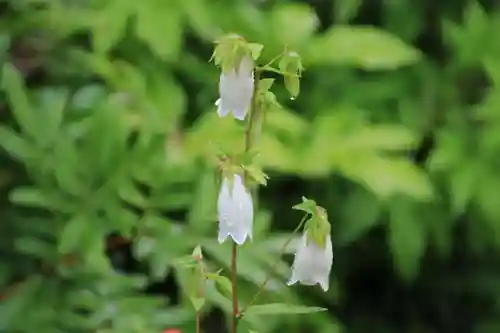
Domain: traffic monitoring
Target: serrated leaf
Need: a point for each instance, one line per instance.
(364, 47)
(281, 309)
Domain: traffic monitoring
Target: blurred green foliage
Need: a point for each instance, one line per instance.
(107, 123)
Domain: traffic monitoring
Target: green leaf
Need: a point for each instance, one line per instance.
(307, 205)
(317, 230)
(130, 193)
(28, 196)
(109, 24)
(291, 65)
(463, 185)
(165, 90)
(68, 170)
(346, 10)
(159, 266)
(105, 143)
(387, 177)
(143, 247)
(359, 212)
(292, 84)
(381, 137)
(73, 233)
(14, 307)
(364, 47)
(256, 174)
(197, 253)
(407, 236)
(17, 146)
(301, 17)
(265, 85)
(18, 99)
(223, 282)
(255, 50)
(4, 46)
(203, 210)
(52, 103)
(281, 309)
(36, 247)
(197, 302)
(160, 25)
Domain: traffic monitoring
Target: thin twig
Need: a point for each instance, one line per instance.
(234, 283)
(234, 252)
(273, 268)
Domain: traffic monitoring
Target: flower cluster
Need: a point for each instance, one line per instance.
(238, 93)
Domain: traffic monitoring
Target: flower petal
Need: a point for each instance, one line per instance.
(235, 211)
(324, 282)
(239, 114)
(236, 90)
(312, 264)
(223, 234)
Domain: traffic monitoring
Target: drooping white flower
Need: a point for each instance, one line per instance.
(235, 210)
(236, 90)
(312, 264)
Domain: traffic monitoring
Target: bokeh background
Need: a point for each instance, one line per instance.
(106, 175)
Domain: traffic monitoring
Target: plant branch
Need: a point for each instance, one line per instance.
(234, 251)
(234, 284)
(273, 268)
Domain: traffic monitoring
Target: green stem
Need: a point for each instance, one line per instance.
(201, 292)
(273, 268)
(234, 284)
(234, 252)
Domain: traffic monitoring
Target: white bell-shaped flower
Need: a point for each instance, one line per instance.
(312, 264)
(235, 210)
(236, 90)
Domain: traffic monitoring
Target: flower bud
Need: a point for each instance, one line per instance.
(312, 263)
(235, 210)
(236, 89)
